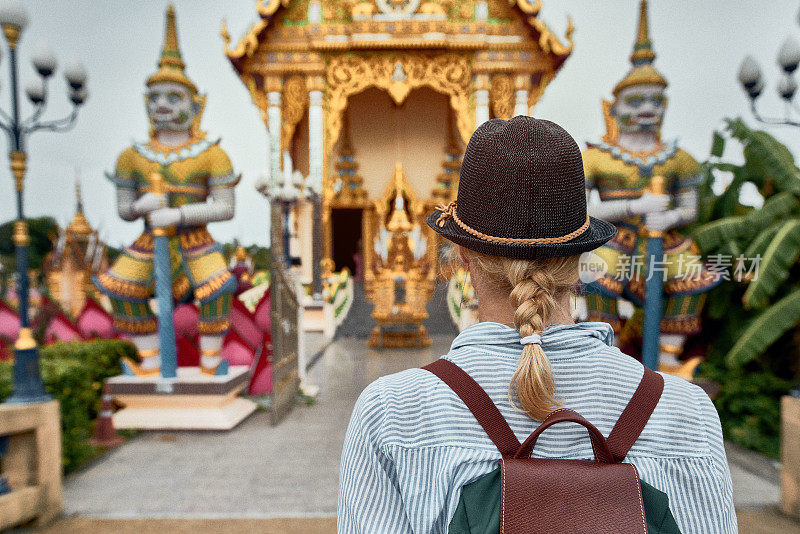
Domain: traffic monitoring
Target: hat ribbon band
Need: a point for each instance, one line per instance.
(449, 212)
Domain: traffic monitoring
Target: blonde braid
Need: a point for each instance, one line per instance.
(532, 296)
(535, 287)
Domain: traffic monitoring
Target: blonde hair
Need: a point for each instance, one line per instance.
(535, 287)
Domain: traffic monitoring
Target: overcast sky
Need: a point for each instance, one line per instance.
(699, 47)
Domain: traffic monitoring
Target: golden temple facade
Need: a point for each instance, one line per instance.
(355, 93)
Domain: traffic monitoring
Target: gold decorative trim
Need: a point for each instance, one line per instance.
(12, 34)
(315, 82)
(294, 102)
(210, 328)
(149, 353)
(447, 73)
(20, 237)
(502, 96)
(612, 128)
(528, 7)
(267, 8)
(538, 89)
(259, 97)
(204, 291)
(404, 34)
(273, 84)
(124, 288)
(522, 82)
(25, 340)
(148, 326)
(18, 167)
(549, 43)
(677, 350)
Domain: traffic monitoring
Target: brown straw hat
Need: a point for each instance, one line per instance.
(522, 194)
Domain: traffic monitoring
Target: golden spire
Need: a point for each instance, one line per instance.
(79, 226)
(171, 65)
(643, 72)
(78, 196)
(241, 254)
(399, 219)
(643, 48)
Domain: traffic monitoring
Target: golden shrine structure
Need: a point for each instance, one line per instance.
(77, 254)
(373, 102)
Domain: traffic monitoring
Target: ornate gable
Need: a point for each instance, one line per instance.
(294, 33)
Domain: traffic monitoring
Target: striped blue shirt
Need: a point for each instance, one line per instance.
(412, 443)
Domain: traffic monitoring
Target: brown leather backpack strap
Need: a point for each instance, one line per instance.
(636, 414)
(478, 403)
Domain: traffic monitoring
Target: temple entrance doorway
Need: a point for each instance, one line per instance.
(414, 134)
(347, 224)
(382, 140)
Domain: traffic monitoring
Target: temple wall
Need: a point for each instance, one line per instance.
(382, 133)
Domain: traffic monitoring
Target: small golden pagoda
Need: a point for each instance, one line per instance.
(400, 281)
(347, 88)
(77, 254)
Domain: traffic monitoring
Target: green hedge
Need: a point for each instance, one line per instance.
(74, 373)
(749, 403)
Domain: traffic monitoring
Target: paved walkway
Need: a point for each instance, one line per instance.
(255, 471)
(258, 474)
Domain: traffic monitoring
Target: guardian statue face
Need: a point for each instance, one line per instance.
(640, 108)
(170, 106)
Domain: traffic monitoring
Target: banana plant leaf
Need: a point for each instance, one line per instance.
(706, 199)
(727, 204)
(718, 145)
(780, 256)
(766, 329)
(777, 207)
(711, 235)
(760, 243)
(766, 159)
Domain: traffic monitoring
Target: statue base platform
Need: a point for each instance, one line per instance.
(414, 336)
(192, 401)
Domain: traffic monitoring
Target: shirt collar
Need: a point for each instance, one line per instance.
(555, 337)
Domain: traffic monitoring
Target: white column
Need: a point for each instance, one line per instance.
(481, 106)
(274, 126)
(315, 131)
(521, 106)
(522, 85)
(482, 85)
(482, 11)
(314, 12)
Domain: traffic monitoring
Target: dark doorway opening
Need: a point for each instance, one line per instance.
(346, 237)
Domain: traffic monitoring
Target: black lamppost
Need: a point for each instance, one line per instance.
(13, 18)
(286, 192)
(752, 81)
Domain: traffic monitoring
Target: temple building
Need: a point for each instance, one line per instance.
(77, 254)
(357, 93)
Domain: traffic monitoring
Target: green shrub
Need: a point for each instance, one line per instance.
(749, 403)
(74, 373)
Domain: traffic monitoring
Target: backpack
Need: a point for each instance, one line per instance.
(556, 496)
